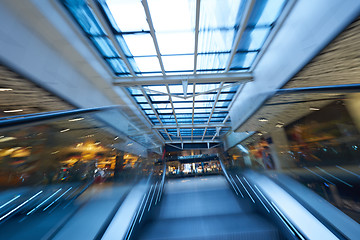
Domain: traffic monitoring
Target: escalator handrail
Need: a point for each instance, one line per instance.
(30, 118)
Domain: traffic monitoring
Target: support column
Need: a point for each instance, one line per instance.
(280, 144)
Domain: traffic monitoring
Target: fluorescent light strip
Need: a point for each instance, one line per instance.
(236, 186)
(20, 205)
(12, 111)
(57, 199)
(65, 130)
(5, 89)
(76, 119)
(245, 189)
(10, 201)
(44, 202)
(145, 203)
(334, 176)
(320, 176)
(357, 175)
(152, 196)
(258, 197)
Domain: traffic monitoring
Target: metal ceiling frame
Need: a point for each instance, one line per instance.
(248, 9)
(110, 35)
(177, 79)
(226, 79)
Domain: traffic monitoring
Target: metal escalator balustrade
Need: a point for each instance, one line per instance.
(64, 174)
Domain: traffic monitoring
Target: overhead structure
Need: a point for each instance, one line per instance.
(182, 61)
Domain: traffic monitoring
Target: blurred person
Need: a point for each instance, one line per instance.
(267, 158)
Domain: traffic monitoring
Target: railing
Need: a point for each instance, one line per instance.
(71, 170)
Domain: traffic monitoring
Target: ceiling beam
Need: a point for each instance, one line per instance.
(139, 110)
(248, 9)
(173, 109)
(177, 79)
(152, 32)
(193, 108)
(229, 107)
(288, 7)
(210, 125)
(213, 108)
(152, 107)
(110, 35)
(197, 22)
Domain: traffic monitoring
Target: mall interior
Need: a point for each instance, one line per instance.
(179, 119)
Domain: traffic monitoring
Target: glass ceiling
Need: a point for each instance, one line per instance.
(144, 38)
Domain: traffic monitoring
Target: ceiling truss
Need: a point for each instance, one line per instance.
(227, 79)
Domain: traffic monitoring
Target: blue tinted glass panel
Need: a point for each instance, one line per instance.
(140, 44)
(145, 106)
(175, 15)
(155, 120)
(266, 12)
(123, 45)
(156, 89)
(149, 111)
(165, 111)
(148, 64)
(222, 104)
(176, 42)
(212, 61)
(178, 62)
(105, 47)
(117, 65)
(133, 64)
(152, 116)
(231, 88)
(226, 96)
(204, 104)
(175, 88)
(243, 60)
(183, 111)
(134, 91)
(159, 98)
(168, 121)
(183, 105)
(215, 120)
(220, 13)
(253, 39)
(162, 105)
(140, 99)
(215, 40)
(218, 115)
(128, 14)
(200, 88)
(84, 16)
(185, 121)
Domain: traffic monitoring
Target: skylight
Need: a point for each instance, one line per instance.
(151, 41)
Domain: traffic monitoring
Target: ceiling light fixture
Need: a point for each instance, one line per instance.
(12, 111)
(263, 120)
(279, 125)
(5, 89)
(5, 139)
(76, 119)
(314, 109)
(65, 130)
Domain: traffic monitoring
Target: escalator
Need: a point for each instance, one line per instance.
(206, 208)
(74, 175)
